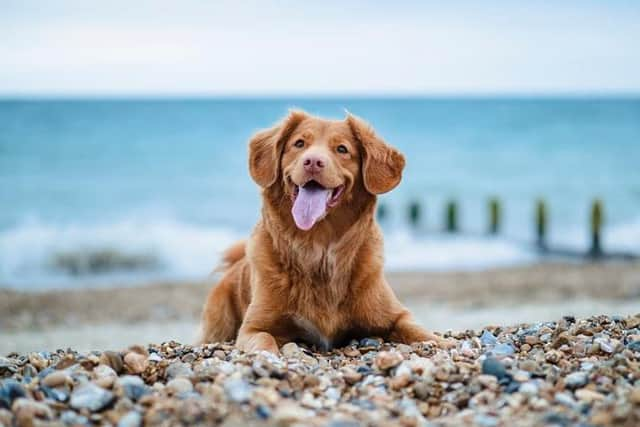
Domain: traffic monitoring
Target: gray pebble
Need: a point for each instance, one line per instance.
(529, 388)
(154, 357)
(71, 418)
(485, 420)
(565, 399)
(238, 390)
(133, 386)
(503, 350)
(10, 390)
(179, 369)
(488, 339)
(180, 385)
(634, 346)
(492, 366)
(369, 342)
(576, 380)
(55, 393)
(90, 396)
(344, 423)
(131, 419)
(605, 345)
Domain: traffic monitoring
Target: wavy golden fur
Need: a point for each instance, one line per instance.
(324, 285)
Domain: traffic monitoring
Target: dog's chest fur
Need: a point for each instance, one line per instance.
(317, 287)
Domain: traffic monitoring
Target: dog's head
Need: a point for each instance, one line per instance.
(323, 165)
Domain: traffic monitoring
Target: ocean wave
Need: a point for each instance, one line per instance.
(37, 255)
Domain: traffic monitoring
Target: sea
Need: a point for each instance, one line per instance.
(118, 192)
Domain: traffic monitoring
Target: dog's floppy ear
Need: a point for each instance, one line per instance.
(382, 164)
(265, 149)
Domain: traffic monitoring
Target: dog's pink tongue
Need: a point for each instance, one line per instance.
(309, 206)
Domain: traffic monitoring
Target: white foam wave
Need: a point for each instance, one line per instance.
(187, 251)
(181, 250)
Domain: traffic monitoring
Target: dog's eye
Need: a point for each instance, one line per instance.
(342, 149)
(299, 143)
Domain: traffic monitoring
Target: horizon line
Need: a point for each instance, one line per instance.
(316, 96)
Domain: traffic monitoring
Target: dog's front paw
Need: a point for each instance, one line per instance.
(261, 341)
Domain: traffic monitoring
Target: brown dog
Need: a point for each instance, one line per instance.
(312, 269)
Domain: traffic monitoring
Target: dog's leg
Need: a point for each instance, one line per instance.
(220, 321)
(407, 331)
(378, 309)
(260, 323)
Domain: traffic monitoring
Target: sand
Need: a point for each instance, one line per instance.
(115, 318)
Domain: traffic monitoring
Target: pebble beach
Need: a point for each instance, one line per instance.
(567, 372)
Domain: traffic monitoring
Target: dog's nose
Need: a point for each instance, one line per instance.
(314, 163)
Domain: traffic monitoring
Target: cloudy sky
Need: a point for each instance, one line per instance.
(124, 47)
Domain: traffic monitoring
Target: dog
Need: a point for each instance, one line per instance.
(312, 270)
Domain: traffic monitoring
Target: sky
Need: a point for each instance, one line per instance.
(188, 47)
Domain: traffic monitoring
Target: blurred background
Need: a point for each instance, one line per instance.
(124, 129)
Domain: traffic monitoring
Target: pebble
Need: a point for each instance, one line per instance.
(291, 349)
(503, 349)
(56, 379)
(588, 396)
(388, 359)
(179, 385)
(528, 388)
(38, 361)
(421, 390)
(486, 420)
(606, 345)
(132, 386)
(90, 396)
(6, 418)
(488, 339)
(263, 412)
(104, 371)
(492, 366)
(72, 418)
(179, 369)
(289, 413)
(131, 419)
(579, 372)
(351, 376)
(154, 357)
(237, 390)
(112, 360)
(369, 343)
(521, 376)
(27, 410)
(55, 394)
(565, 399)
(466, 349)
(576, 380)
(10, 390)
(136, 363)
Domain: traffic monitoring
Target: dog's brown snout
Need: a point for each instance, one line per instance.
(314, 163)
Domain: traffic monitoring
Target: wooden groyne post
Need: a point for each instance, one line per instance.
(597, 219)
(495, 215)
(451, 216)
(541, 224)
(415, 213)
